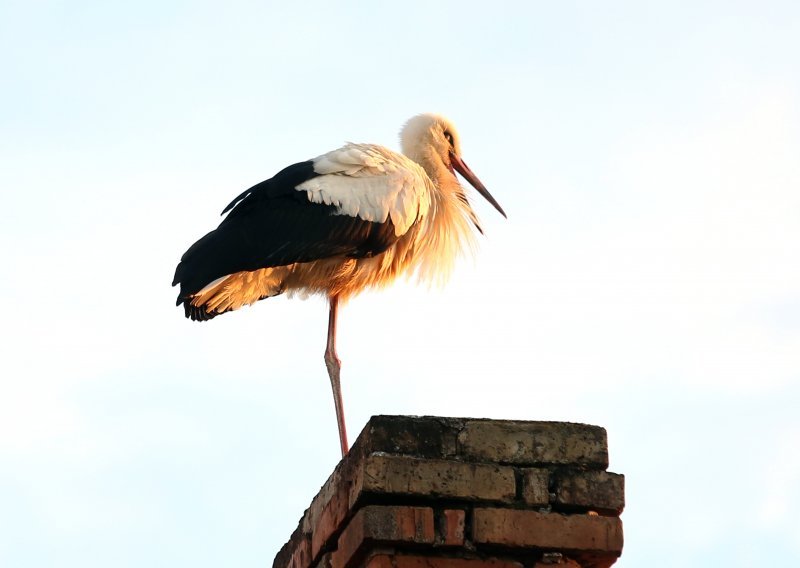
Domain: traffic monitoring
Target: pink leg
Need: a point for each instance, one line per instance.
(334, 367)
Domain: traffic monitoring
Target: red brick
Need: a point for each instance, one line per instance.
(296, 553)
(324, 561)
(383, 525)
(560, 563)
(554, 531)
(379, 561)
(451, 527)
(329, 520)
(301, 557)
(414, 561)
(324, 518)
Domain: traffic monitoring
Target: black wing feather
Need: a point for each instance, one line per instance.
(273, 224)
(284, 182)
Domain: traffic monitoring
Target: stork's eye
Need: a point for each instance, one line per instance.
(449, 137)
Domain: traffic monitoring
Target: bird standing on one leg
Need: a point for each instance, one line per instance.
(351, 219)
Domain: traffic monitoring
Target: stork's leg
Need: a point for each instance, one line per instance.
(334, 367)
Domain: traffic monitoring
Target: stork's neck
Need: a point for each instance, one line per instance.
(441, 176)
(446, 230)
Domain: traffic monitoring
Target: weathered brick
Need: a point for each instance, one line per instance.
(534, 443)
(519, 442)
(535, 487)
(514, 442)
(457, 460)
(438, 478)
(334, 509)
(553, 531)
(557, 561)
(415, 561)
(324, 561)
(332, 505)
(383, 525)
(292, 553)
(301, 557)
(450, 527)
(597, 490)
(379, 561)
(421, 436)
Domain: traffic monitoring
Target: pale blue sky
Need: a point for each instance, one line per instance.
(646, 280)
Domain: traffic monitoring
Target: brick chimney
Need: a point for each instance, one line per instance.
(430, 492)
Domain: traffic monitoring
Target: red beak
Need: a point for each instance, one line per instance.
(473, 180)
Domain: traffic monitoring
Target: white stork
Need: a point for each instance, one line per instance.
(353, 218)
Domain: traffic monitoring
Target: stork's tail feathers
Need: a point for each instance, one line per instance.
(193, 312)
(196, 313)
(186, 296)
(230, 292)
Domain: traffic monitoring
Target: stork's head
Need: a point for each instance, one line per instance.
(433, 142)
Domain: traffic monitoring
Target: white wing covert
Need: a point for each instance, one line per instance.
(373, 183)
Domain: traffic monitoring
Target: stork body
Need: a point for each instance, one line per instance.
(350, 219)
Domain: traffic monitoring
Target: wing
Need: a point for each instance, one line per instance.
(372, 183)
(345, 203)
